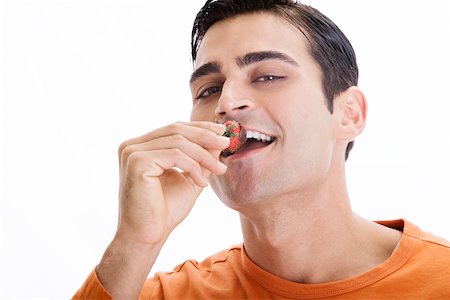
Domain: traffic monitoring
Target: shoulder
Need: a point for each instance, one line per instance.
(197, 280)
(430, 260)
(421, 259)
(430, 254)
(420, 251)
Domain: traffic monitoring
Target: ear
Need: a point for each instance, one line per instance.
(350, 110)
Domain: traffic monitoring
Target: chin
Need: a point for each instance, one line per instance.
(239, 195)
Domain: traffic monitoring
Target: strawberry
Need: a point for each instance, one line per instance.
(237, 136)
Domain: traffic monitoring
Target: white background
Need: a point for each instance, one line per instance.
(79, 77)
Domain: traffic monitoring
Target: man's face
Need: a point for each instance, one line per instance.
(257, 69)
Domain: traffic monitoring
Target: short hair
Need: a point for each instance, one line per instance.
(329, 47)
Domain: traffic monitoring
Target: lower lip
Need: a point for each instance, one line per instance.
(247, 153)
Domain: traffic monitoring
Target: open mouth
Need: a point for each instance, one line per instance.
(243, 140)
(256, 140)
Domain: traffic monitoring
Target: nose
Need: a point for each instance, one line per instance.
(232, 102)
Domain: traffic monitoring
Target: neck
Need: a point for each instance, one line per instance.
(314, 238)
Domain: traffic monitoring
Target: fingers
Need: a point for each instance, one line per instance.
(215, 127)
(206, 134)
(181, 144)
(192, 147)
(155, 163)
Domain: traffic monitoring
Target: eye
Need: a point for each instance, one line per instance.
(268, 78)
(209, 91)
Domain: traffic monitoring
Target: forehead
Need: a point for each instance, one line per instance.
(253, 32)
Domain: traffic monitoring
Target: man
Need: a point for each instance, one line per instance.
(285, 71)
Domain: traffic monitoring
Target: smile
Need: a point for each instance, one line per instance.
(256, 140)
(251, 134)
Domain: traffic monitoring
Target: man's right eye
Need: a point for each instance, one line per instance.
(209, 91)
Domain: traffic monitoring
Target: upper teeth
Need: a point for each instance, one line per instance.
(258, 136)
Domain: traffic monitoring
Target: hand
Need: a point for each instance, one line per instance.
(161, 175)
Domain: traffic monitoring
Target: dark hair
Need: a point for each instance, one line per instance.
(329, 46)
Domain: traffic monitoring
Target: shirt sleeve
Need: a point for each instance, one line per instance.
(92, 289)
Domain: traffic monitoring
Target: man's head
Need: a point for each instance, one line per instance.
(259, 68)
(329, 46)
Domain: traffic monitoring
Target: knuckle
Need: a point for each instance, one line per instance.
(176, 153)
(122, 147)
(175, 127)
(126, 152)
(133, 160)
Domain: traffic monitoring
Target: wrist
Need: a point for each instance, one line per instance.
(125, 265)
(138, 240)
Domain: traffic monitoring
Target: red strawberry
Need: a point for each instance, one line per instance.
(237, 136)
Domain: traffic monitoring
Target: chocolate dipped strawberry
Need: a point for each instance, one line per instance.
(237, 136)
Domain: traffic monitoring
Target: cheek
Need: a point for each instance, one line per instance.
(304, 110)
(203, 112)
(308, 126)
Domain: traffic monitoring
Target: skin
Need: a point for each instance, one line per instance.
(291, 195)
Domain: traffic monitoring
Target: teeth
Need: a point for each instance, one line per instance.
(258, 136)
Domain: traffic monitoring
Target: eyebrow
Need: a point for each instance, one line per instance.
(254, 57)
(206, 69)
(242, 61)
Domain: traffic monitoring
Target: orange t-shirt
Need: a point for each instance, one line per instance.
(418, 269)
